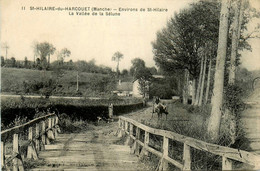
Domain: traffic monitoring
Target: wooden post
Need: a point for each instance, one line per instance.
(126, 126)
(49, 122)
(146, 142)
(165, 152)
(43, 134)
(137, 146)
(186, 157)
(29, 149)
(119, 129)
(144, 102)
(126, 130)
(57, 126)
(131, 131)
(37, 134)
(53, 126)
(226, 163)
(110, 110)
(123, 127)
(49, 131)
(15, 151)
(119, 124)
(2, 154)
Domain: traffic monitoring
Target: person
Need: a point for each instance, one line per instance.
(158, 104)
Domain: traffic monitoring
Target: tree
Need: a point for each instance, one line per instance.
(217, 98)
(153, 70)
(136, 64)
(25, 62)
(13, 62)
(63, 54)
(208, 81)
(2, 61)
(125, 72)
(142, 74)
(203, 79)
(117, 57)
(179, 45)
(38, 63)
(44, 49)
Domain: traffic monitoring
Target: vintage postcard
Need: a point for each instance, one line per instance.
(130, 85)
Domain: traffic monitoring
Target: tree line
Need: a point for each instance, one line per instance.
(202, 45)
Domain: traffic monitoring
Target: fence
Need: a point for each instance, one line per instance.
(229, 155)
(38, 135)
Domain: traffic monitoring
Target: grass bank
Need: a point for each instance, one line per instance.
(189, 121)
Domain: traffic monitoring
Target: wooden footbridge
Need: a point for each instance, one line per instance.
(37, 145)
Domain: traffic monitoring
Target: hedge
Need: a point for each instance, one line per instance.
(74, 111)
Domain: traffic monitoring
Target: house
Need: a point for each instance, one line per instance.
(136, 89)
(124, 88)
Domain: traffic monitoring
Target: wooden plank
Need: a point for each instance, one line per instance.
(110, 110)
(29, 148)
(2, 154)
(165, 153)
(37, 134)
(53, 126)
(50, 123)
(49, 134)
(31, 151)
(15, 151)
(155, 152)
(26, 125)
(119, 123)
(56, 120)
(57, 128)
(126, 126)
(146, 142)
(186, 157)
(131, 131)
(231, 153)
(174, 162)
(43, 133)
(226, 163)
(137, 147)
(159, 154)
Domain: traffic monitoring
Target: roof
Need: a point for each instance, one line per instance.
(125, 86)
(154, 76)
(158, 76)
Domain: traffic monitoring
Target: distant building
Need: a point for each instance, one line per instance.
(136, 89)
(133, 88)
(124, 89)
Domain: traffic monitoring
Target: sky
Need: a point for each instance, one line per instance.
(94, 37)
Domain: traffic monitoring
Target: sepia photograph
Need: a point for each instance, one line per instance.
(115, 85)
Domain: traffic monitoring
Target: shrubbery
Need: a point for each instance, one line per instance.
(162, 88)
(85, 109)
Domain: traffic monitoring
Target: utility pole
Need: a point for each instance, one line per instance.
(77, 81)
(6, 47)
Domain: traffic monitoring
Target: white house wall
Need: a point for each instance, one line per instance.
(136, 91)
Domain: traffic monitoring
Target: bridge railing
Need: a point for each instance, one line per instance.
(229, 155)
(40, 131)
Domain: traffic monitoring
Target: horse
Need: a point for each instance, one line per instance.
(160, 109)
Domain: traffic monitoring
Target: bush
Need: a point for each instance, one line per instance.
(85, 109)
(162, 91)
